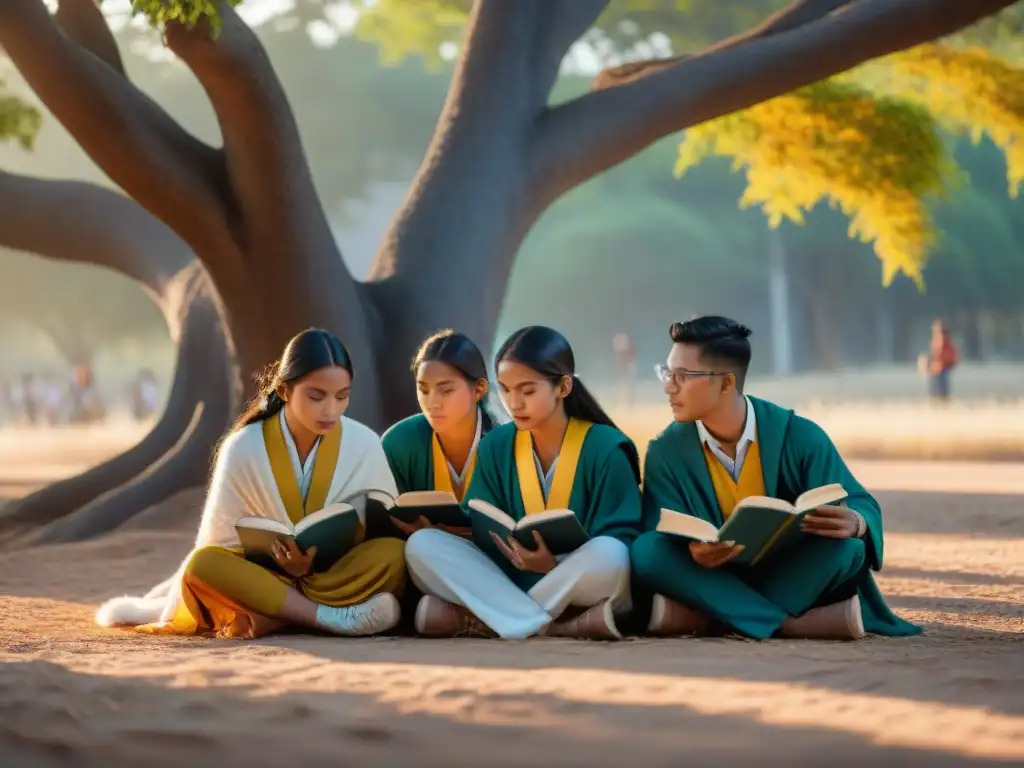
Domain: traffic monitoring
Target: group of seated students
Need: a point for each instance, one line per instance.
(292, 452)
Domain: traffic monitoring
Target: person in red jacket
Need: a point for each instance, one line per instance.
(942, 358)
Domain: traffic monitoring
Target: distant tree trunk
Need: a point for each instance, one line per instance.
(83, 223)
(970, 336)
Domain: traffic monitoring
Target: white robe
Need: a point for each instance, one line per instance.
(243, 485)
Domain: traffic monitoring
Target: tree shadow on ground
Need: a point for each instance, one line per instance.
(53, 716)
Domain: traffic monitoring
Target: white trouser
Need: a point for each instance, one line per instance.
(458, 571)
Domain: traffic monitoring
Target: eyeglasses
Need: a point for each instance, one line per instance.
(680, 376)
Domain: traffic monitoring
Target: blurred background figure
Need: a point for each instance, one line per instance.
(144, 394)
(85, 404)
(625, 365)
(943, 357)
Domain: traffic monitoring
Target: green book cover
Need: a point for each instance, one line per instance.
(560, 528)
(439, 507)
(333, 530)
(764, 526)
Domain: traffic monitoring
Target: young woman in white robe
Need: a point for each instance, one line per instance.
(290, 454)
(561, 452)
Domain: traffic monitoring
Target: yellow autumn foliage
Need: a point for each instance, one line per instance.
(876, 159)
(971, 90)
(19, 121)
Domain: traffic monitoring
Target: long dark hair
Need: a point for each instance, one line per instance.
(547, 352)
(458, 351)
(310, 351)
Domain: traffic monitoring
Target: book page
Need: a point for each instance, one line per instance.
(548, 514)
(689, 526)
(766, 502)
(820, 497)
(383, 497)
(491, 511)
(338, 508)
(426, 499)
(264, 524)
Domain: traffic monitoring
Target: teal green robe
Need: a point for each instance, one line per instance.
(796, 455)
(408, 446)
(605, 492)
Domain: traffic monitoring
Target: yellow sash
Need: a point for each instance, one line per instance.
(565, 472)
(442, 478)
(284, 476)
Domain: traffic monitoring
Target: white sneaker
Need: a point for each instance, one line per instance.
(370, 617)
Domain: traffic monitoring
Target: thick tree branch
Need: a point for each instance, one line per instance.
(599, 130)
(169, 171)
(796, 14)
(560, 24)
(81, 222)
(268, 171)
(84, 22)
(491, 107)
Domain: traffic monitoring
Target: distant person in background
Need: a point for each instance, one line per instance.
(86, 406)
(49, 399)
(943, 357)
(625, 364)
(144, 395)
(25, 403)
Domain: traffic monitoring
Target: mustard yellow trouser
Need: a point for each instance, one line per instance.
(220, 583)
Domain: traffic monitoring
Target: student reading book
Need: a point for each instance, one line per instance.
(291, 454)
(561, 452)
(326, 536)
(559, 529)
(435, 450)
(761, 525)
(722, 448)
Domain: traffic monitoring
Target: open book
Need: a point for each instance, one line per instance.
(439, 507)
(560, 528)
(334, 530)
(761, 524)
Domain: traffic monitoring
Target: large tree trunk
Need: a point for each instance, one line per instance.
(72, 221)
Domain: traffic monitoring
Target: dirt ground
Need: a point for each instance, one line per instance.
(72, 693)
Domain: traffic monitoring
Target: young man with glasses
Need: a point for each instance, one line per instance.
(723, 447)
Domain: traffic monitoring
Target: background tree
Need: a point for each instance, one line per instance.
(82, 223)
(501, 155)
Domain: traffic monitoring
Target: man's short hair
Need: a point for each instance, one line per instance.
(722, 342)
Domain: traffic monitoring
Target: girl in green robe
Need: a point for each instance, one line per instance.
(435, 450)
(561, 452)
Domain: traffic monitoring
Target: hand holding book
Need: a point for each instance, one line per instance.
(539, 560)
(833, 522)
(291, 559)
(713, 554)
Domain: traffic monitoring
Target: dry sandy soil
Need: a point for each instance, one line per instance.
(74, 694)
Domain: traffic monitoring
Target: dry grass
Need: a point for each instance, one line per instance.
(895, 430)
(882, 412)
(875, 413)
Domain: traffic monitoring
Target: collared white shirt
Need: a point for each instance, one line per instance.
(303, 471)
(732, 466)
(456, 477)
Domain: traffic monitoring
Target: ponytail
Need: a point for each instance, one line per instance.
(261, 408)
(581, 404)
